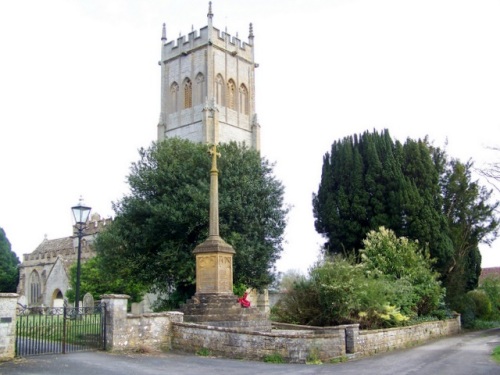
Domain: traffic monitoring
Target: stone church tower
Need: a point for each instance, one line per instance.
(208, 87)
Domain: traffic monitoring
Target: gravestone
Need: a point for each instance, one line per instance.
(88, 300)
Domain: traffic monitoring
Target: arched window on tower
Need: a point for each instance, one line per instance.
(188, 93)
(219, 90)
(174, 97)
(198, 92)
(231, 93)
(35, 289)
(244, 104)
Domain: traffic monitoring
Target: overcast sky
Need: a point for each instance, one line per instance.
(80, 94)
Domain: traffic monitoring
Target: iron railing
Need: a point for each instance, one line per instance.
(43, 330)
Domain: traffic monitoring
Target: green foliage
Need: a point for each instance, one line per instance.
(166, 216)
(9, 273)
(337, 292)
(274, 358)
(339, 360)
(203, 352)
(491, 286)
(482, 303)
(393, 283)
(471, 221)
(496, 354)
(466, 307)
(239, 289)
(313, 357)
(402, 260)
(96, 281)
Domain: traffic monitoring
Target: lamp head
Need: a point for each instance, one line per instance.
(81, 212)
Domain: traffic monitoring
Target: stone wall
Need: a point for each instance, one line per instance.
(136, 331)
(383, 340)
(151, 330)
(8, 303)
(294, 346)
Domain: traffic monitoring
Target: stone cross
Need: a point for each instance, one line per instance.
(213, 228)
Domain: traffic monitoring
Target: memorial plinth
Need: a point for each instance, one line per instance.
(214, 266)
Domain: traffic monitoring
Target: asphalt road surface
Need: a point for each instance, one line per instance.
(467, 354)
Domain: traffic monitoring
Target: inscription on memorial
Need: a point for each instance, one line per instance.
(225, 273)
(206, 273)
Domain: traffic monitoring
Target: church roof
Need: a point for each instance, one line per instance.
(54, 245)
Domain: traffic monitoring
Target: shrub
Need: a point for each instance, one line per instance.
(482, 304)
(274, 358)
(401, 259)
(491, 286)
(466, 306)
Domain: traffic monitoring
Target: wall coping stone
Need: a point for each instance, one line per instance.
(114, 296)
(280, 333)
(153, 315)
(9, 295)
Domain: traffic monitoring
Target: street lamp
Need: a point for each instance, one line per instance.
(81, 214)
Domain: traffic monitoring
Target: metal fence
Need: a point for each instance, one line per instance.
(42, 330)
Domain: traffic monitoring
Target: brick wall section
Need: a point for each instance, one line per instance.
(8, 303)
(383, 340)
(294, 346)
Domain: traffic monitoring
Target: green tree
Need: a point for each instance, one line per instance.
(471, 220)
(95, 280)
(9, 272)
(158, 225)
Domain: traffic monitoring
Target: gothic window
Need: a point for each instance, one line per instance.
(174, 95)
(198, 97)
(35, 289)
(244, 100)
(188, 93)
(219, 90)
(231, 88)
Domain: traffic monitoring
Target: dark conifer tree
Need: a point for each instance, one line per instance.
(9, 272)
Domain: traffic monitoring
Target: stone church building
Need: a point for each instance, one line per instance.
(44, 273)
(207, 96)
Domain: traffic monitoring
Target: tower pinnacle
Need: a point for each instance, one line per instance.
(164, 33)
(210, 14)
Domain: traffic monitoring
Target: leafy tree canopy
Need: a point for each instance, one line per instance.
(9, 273)
(162, 220)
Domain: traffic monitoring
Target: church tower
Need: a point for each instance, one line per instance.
(208, 87)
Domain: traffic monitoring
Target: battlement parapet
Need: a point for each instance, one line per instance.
(205, 36)
(94, 225)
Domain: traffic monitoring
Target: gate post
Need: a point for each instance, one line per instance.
(351, 338)
(8, 304)
(116, 320)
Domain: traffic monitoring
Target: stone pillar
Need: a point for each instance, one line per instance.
(116, 321)
(8, 304)
(351, 338)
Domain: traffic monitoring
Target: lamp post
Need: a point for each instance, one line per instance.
(81, 214)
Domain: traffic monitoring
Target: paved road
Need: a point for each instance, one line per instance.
(467, 354)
